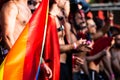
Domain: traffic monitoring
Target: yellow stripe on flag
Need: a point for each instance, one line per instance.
(2, 70)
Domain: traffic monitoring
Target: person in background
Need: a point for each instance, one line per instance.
(57, 13)
(115, 56)
(33, 4)
(78, 29)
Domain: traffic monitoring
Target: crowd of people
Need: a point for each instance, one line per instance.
(89, 45)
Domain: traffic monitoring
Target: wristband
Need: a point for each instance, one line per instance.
(112, 76)
(73, 57)
(75, 45)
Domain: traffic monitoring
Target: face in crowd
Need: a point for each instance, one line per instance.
(117, 41)
(91, 26)
(79, 20)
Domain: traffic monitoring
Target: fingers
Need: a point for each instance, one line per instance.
(48, 71)
(82, 41)
(79, 60)
(90, 45)
(84, 48)
(50, 74)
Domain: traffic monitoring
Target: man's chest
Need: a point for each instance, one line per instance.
(24, 15)
(116, 54)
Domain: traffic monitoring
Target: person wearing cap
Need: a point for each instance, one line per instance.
(79, 28)
(82, 4)
(59, 13)
(84, 28)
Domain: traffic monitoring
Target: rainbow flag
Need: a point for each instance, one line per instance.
(52, 50)
(22, 61)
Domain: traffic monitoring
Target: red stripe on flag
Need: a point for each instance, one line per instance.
(52, 49)
(35, 40)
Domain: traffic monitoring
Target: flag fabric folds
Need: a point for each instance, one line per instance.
(52, 48)
(22, 61)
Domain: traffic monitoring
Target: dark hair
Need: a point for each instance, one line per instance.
(2, 2)
(114, 30)
(73, 8)
(99, 22)
(51, 2)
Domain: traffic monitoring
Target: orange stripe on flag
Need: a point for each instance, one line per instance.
(14, 61)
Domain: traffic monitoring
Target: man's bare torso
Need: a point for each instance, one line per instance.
(22, 16)
(115, 53)
(61, 35)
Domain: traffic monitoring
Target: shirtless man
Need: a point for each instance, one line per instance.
(64, 48)
(115, 57)
(14, 16)
(80, 29)
(94, 66)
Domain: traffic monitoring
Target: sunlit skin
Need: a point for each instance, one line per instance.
(14, 16)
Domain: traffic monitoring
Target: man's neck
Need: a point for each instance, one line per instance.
(53, 10)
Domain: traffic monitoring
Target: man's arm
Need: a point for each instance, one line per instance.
(105, 28)
(100, 32)
(97, 56)
(9, 12)
(46, 68)
(73, 46)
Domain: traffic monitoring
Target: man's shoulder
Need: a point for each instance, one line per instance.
(10, 5)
